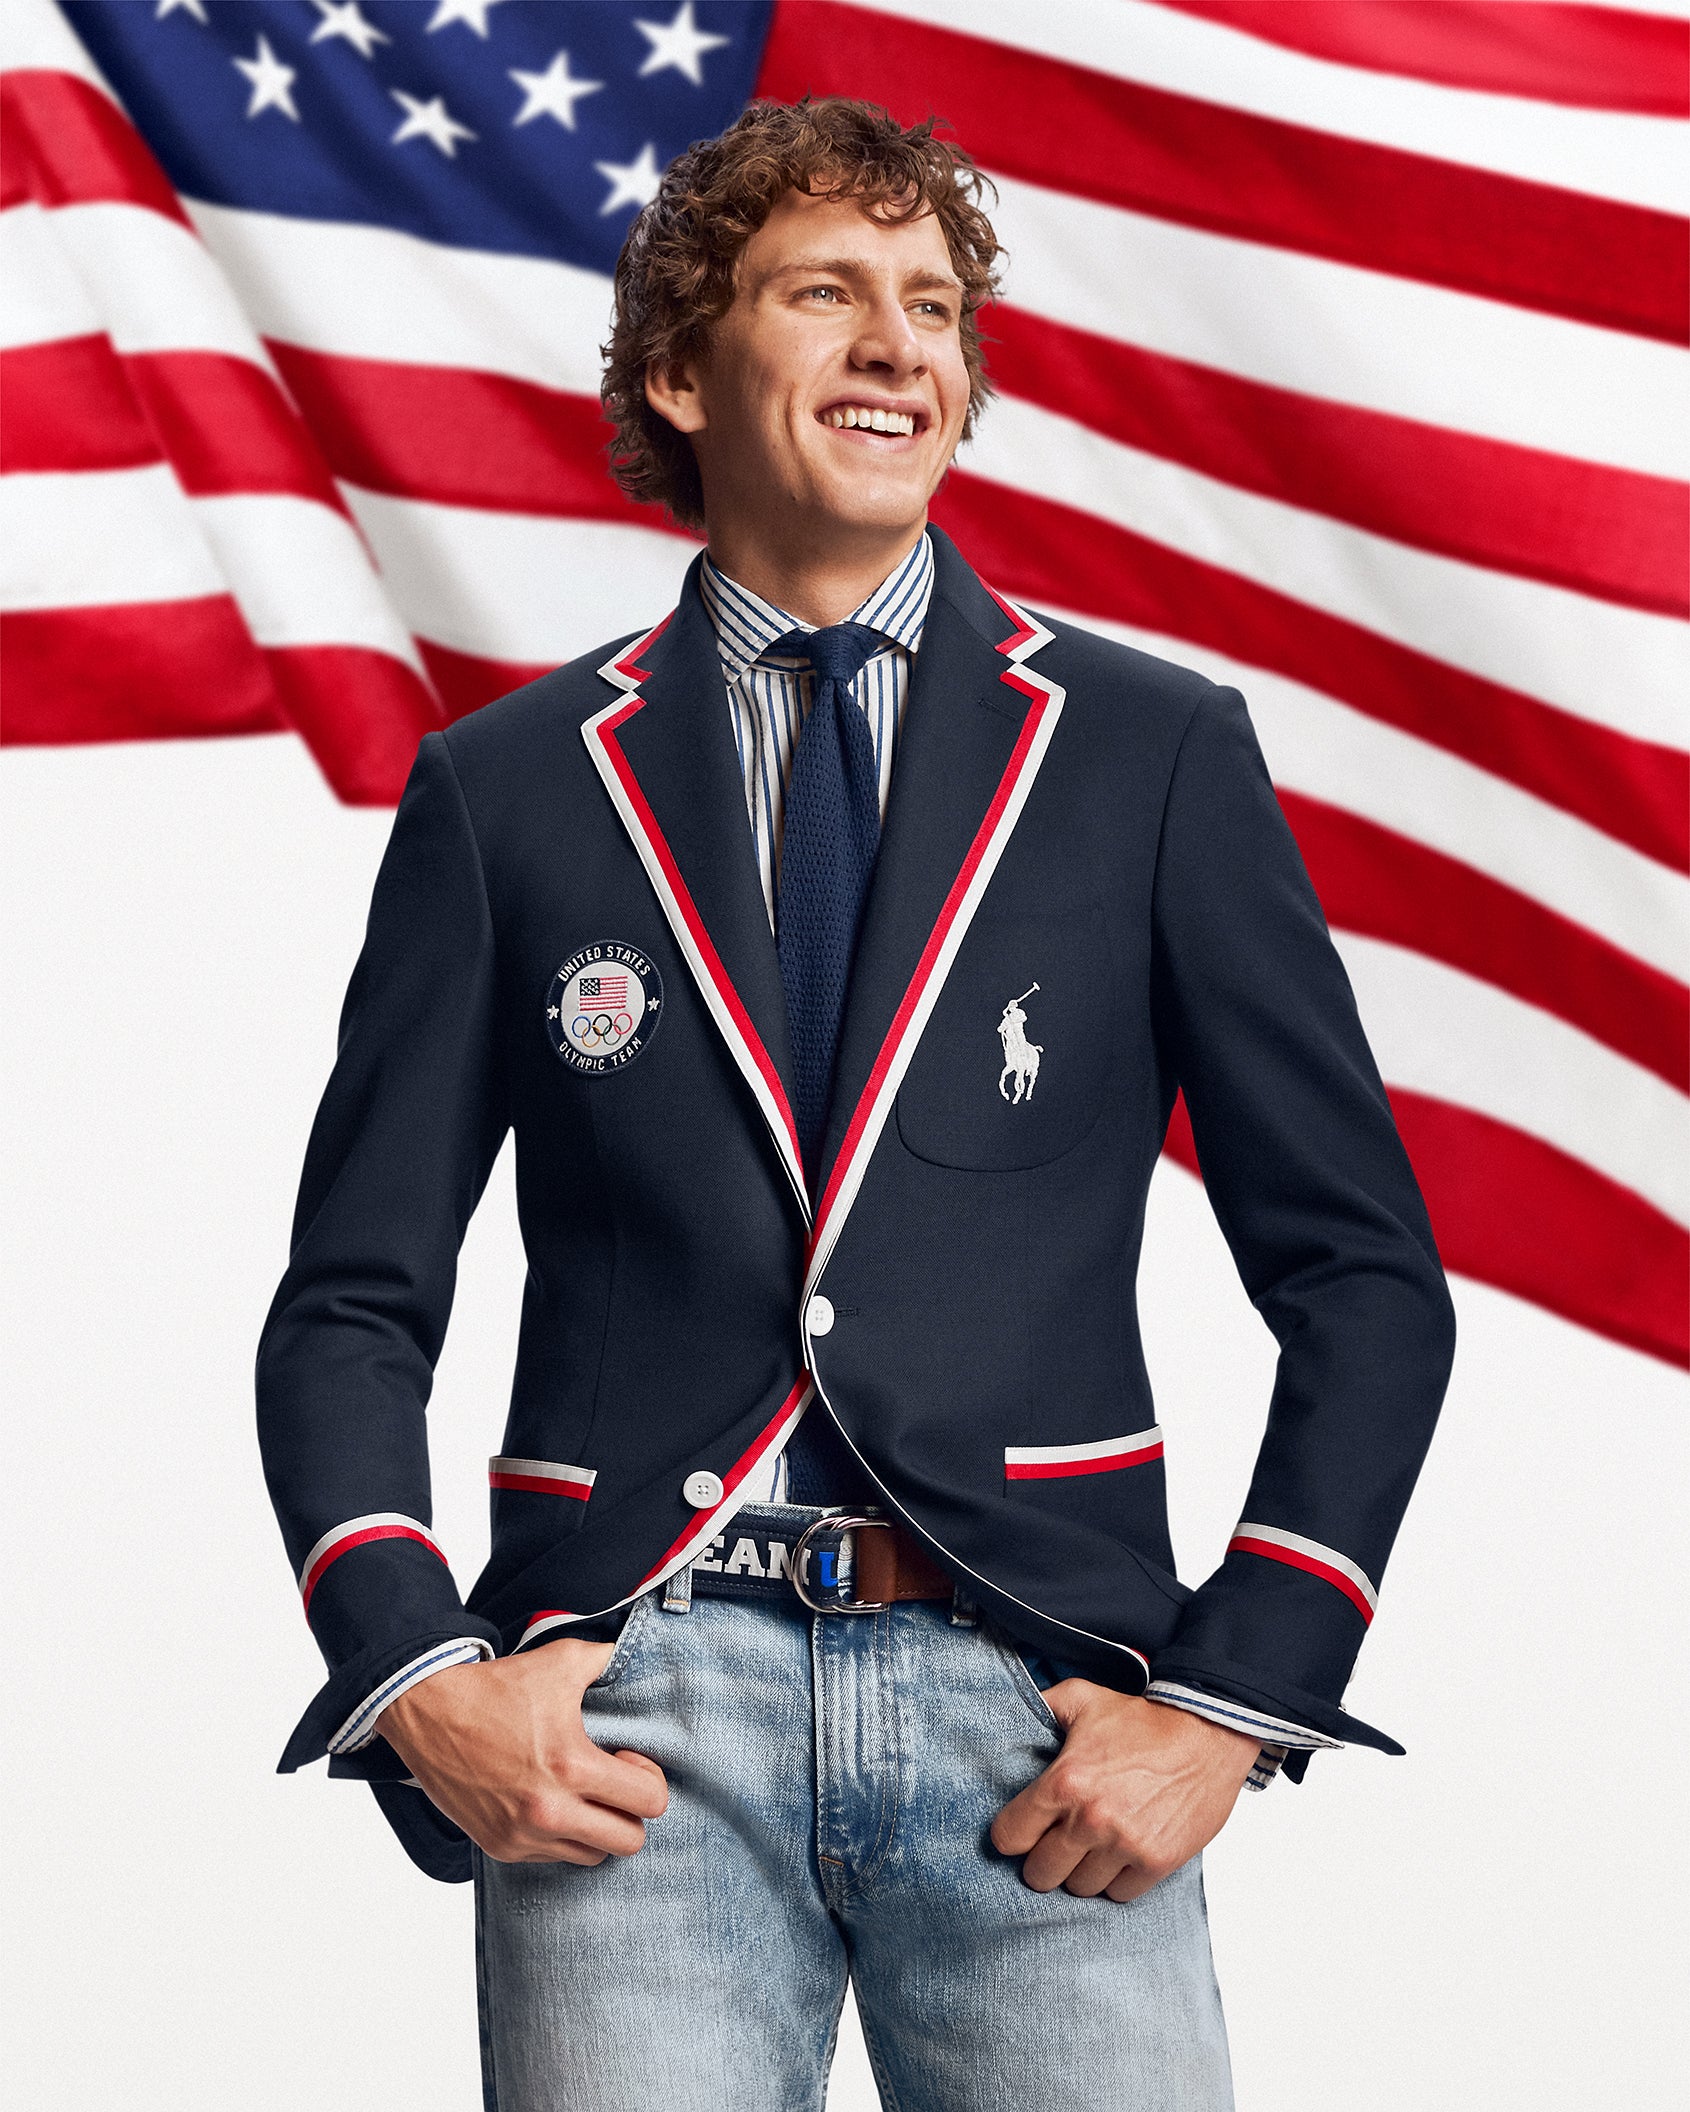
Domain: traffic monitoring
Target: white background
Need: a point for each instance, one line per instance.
(1495, 1922)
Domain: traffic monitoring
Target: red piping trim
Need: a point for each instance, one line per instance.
(1293, 1558)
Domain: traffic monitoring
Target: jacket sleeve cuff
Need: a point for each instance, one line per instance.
(338, 1701)
(1252, 1690)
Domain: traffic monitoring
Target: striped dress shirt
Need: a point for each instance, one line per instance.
(769, 696)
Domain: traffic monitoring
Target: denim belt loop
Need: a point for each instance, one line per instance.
(964, 1612)
(677, 1593)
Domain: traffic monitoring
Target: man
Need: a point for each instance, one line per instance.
(732, 923)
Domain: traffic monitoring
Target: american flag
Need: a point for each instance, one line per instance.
(607, 989)
(1342, 357)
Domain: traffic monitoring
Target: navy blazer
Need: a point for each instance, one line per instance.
(1086, 900)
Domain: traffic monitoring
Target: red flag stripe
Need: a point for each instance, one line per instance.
(400, 430)
(1589, 58)
(1385, 886)
(158, 669)
(1063, 126)
(220, 422)
(1609, 532)
(1512, 1211)
(361, 713)
(1048, 553)
(458, 437)
(65, 142)
(154, 670)
(465, 681)
(473, 439)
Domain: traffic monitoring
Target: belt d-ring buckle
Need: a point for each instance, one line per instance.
(847, 1521)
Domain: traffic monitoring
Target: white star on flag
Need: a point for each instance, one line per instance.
(272, 82)
(472, 13)
(552, 93)
(429, 121)
(680, 44)
(196, 8)
(632, 183)
(344, 19)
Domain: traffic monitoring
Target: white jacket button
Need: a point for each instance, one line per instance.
(702, 1489)
(819, 1315)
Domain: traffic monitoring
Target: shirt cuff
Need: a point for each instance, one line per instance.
(1278, 1737)
(359, 1729)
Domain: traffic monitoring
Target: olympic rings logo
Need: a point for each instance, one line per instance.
(600, 1029)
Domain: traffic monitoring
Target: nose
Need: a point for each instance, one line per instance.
(886, 343)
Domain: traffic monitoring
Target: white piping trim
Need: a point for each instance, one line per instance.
(709, 1523)
(1107, 1448)
(574, 1481)
(625, 679)
(1277, 1536)
(410, 1528)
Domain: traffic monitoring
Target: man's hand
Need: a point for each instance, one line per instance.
(1136, 1790)
(501, 1749)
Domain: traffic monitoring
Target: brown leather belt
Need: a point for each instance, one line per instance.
(892, 1564)
(889, 1565)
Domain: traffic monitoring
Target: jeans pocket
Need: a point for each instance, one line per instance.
(617, 1662)
(1027, 1688)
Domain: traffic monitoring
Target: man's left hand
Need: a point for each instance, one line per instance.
(1137, 1789)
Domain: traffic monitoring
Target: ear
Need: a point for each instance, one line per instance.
(674, 394)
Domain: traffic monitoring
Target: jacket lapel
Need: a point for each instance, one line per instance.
(665, 750)
(978, 723)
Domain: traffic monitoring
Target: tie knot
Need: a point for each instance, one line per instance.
(837, 654)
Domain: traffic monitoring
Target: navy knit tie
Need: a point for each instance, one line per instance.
(828, 844)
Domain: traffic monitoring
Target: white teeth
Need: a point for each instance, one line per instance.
(872, 421)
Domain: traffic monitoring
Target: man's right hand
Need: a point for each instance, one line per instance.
(501, 1749)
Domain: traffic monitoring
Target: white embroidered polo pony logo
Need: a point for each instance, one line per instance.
(1020, 1056)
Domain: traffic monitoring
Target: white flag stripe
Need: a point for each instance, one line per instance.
(1559, 646)
(1320, 747)
(1102, 1448)
(512, 586)
(38, 36)
(1435, 1030)
(300, 574)
(1354, 336)
(45, 296)
(1295, 322)
(374, 293)
(78, 539)
(1608, 153)
(156, 287)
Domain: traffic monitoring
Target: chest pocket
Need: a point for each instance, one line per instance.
(1011, 1070)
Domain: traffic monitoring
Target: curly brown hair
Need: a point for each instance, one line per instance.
(676, 275)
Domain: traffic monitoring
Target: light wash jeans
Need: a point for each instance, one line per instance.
(831, 1782)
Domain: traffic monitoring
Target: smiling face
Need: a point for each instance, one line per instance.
(835, 389)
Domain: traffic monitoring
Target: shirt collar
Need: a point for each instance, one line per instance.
(746, 625)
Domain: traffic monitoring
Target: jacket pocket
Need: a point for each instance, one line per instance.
(1011, 1070)
(1117, 1485)
(534, 1500)
(1106, 1455)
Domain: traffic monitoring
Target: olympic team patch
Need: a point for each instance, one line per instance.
(603, 1007)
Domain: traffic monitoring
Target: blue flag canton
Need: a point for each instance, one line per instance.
(528, 126)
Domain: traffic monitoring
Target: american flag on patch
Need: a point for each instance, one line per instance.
(607, 989)
(1342, 357)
